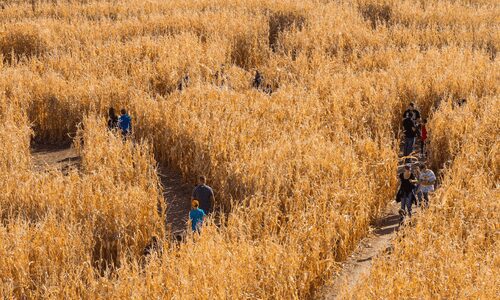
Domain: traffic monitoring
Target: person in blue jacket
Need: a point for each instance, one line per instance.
(196, 215)
(125, 123)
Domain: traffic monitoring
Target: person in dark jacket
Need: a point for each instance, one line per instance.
(125, 123)
(407, 188)
(410, 132)
(258, 80)
(112, 119)
(204, 194)
(412, 112)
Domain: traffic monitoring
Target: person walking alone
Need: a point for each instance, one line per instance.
(410, 132)
(406, 191)
(204, 194)
(258, 80)
(426, 180)
(125, 123)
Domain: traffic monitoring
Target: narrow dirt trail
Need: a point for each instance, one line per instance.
(177, 194)
(359, 263)
(378, 242)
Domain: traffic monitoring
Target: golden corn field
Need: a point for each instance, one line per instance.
(299, 174)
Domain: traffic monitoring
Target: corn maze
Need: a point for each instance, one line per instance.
(300, 169)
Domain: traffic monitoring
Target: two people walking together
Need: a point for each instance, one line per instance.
(202, 203)
(415, 188)
(123, 123)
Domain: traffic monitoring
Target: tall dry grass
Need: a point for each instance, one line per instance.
(74, 227)
(299, 175)
(452, 252)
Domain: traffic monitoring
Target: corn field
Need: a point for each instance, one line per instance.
(299, 173)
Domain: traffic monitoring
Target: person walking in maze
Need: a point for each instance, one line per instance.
(411, 112)
(410, 132)
(426, 180)
(183, 82)
(406, 191)
(204, 194)
(258, 80)
(196, 215)
(423, 136)
(220, 76)
(112, 119)
(125, 123)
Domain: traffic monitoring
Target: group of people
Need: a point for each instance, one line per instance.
(414, 188)
(415, 185)
(220, 78)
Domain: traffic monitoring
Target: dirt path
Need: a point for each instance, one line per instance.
(178, 197)
(49, 156)
(177, 194)
(359, 263)
(377, 242)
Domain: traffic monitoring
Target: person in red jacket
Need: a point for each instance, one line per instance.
(423, 136)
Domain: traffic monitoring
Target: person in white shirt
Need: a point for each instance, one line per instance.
(426, 180)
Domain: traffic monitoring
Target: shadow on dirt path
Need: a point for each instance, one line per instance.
(359, 263)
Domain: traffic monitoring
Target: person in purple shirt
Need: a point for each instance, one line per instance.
(204, 194)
